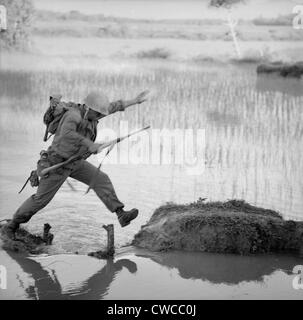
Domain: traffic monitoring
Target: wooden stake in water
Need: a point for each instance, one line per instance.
(47, 236)
(110, 239)
(110, 250)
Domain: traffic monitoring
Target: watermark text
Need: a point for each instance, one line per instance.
(3, 277)
(298, 19)
(297, 282)
(3, 18)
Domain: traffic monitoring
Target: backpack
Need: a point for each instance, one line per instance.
(54, 114)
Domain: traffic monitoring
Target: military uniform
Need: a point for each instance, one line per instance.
(74, 135)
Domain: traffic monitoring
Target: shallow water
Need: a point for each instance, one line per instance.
(172, 275)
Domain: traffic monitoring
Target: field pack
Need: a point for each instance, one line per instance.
(54, 114)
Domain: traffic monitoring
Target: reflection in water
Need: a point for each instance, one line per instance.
(227, 269)
(275, 83)
(46, 285)
(150, 275)
(97, 286)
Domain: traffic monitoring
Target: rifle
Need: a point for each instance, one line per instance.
(108, 151)
(76, 157)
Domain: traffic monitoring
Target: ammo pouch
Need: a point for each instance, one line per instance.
(34, 179)
(43, 162)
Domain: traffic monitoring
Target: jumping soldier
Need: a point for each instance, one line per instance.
(75, 134)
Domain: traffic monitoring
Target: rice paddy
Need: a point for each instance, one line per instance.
(253, 145)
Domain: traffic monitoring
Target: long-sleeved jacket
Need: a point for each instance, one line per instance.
(76, 134)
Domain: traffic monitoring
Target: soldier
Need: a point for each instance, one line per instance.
(75, 134)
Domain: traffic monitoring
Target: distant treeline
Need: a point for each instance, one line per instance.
(23, 21)
(79, 25)
(19, 20)
(281, 20)
(45, 15)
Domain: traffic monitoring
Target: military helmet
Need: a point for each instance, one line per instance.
(55, 96)
(97, 101)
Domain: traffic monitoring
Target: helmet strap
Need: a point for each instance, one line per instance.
(86, 112)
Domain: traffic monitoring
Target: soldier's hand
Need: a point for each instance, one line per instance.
(94, 148)
(141, 97)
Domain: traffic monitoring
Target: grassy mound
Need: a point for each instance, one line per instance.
(224, 227)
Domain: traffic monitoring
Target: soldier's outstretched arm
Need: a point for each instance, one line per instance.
(121, 105)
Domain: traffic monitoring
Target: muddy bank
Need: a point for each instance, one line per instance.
(223, 227)
(26, 242)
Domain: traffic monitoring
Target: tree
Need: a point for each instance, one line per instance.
(232, 23)
(19, 20)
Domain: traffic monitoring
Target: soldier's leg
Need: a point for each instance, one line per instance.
(86, 172)
(46, 191)
(104, 189)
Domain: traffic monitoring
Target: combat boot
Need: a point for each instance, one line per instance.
(125, 217)
(8, 231)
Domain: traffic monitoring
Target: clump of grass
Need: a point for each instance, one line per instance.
(264, 55)
(294, 70)
(247, 60)
(156, 53)
(281, 20)
(206, 59)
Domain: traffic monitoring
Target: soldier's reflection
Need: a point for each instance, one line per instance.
(47, 286)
